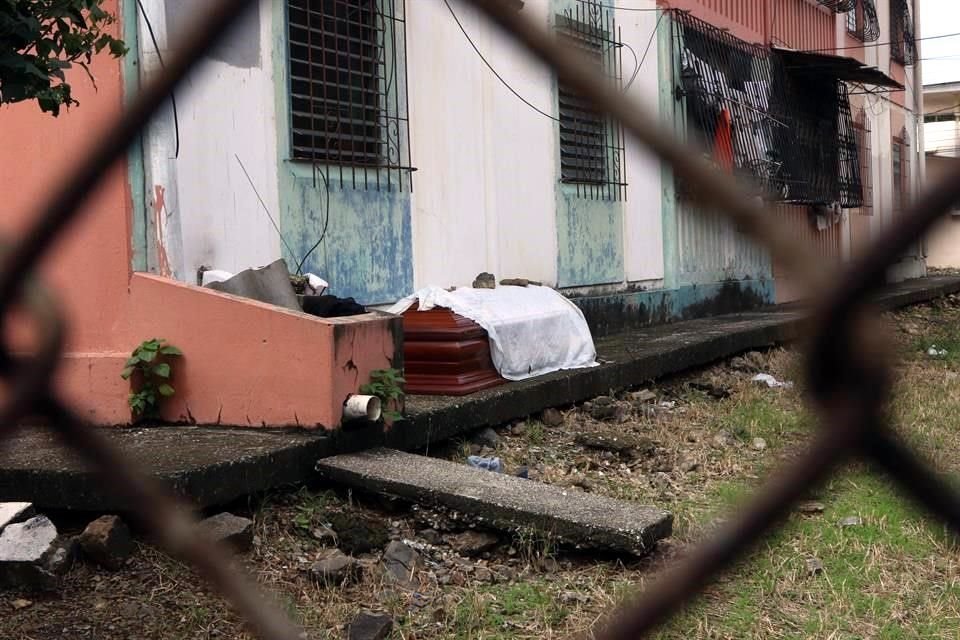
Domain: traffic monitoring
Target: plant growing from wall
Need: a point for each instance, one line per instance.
(387, 384)
(41, 39)
(148, 368)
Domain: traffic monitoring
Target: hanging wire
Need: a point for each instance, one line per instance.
(173, 97)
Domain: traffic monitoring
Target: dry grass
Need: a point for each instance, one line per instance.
(894, 575)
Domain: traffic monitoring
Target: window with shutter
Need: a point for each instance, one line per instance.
(347, 88)
(591, 144)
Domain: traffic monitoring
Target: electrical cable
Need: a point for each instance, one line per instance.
(326, 221)
(494, 71)
(173, 98)
(643, 58)
(264, 205)
(880, 44)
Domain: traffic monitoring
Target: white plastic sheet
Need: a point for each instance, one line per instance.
(532, 330)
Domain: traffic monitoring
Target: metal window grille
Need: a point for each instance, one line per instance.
(903, 44)
(591, 144)
(838, 6)
(790, 134)
(862, 130)
(862, 21)
(348, 89)
(900, 153)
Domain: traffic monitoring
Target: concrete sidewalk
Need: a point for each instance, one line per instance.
(212, 465)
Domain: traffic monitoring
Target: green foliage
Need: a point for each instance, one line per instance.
(41, 39)
(151, 371)
(386, 384)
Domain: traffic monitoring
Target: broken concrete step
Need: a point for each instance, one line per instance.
(506, 502)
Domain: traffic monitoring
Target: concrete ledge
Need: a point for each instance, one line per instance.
(506, 502)
(215, 465)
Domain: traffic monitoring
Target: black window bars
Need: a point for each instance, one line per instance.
(348, 90)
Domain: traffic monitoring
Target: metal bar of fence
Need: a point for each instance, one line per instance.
(31, 392)
(848, 370)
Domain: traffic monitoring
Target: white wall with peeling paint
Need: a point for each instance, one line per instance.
(225, 110)
(485, 189)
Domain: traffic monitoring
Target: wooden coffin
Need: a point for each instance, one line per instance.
(446, 354)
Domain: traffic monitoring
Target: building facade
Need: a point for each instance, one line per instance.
(388, 145)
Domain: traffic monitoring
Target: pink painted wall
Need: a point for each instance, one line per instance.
(799, 24)
(245, 363)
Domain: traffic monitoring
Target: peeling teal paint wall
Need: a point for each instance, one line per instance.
(607, 314)
(590, 240)
(668, 104)
(367, 252)
(135, 170)
(589, 232)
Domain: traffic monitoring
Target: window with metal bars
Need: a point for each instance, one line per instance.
(838, 6)
(900, 153)
(348, 89)
(591, 144)
(903, 44)
(862, 131)
(862, 21)
(786, 131)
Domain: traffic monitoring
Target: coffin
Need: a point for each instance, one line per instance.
(445, 354)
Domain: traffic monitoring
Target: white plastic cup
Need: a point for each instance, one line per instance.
(359, 407)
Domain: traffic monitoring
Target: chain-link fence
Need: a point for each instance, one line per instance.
(848, 363)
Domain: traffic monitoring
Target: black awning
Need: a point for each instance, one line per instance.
(840, 67)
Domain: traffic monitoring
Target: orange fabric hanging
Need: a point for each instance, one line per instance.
(723, 141)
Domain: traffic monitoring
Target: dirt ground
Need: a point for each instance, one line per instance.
(856, 562)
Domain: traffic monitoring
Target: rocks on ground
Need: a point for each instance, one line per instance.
(606, 408)
(626, 445)
(401, 562)
(229, 529)
(12, 512)
(358, 533)
(33, 555)
(370, 626)
(551, 417)
(335, 568)
(486, 437)
(750, 362)
(472, 543)
(107, 542)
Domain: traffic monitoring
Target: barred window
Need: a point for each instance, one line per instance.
(903, 46)
(861, 125)
(591, 144)
(901, 171)
(348, 87)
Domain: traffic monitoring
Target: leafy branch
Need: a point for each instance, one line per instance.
(41, 39)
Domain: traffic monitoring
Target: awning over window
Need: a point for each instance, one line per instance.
(840, 67)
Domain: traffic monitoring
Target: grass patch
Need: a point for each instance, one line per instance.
(513, 611)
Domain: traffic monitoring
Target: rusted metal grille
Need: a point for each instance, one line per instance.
(903, 44)
(848, 365)
(900, 156)
(591, 144)
(863, 133)
(862, 21)
(347, 64)
(784, 129)
(838, 6)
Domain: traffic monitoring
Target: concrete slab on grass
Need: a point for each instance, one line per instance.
(506, 502)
